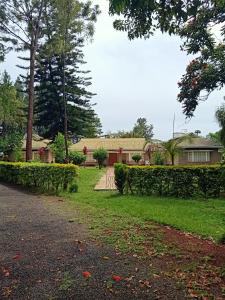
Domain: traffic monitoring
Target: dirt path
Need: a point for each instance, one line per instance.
(43, 255)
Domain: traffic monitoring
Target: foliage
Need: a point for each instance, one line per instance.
(120, 171)
(77, 158)
(203, 218)
(194, 22)
(11, 119)
(11, 142)
(158, 158)
(21, 24)
(120, 134)
(58, 148)
(63, 96)
(100, 155)
(46, 177)
(142, 129)
(179, 181)
(172, 148)
(136, 157)
(73, 188)
(214, 136)
(220, 116)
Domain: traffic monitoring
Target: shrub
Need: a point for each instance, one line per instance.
(120, 171)
(100, 155)
(44, 177)
(178, 181)
(158, 158)
(136, 158)
(73, 187)
(77, 158)
(58, 148)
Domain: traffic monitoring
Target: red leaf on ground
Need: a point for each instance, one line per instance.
(116, 278)
(5, 272)
(86, 274)
(17, 256)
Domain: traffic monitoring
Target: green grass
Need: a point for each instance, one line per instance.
(110, 211)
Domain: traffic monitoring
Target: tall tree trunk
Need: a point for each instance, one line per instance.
(33, 50)
(31, 104)
(172, 159)
(65, 111)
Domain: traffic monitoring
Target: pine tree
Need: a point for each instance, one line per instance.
(50, 73)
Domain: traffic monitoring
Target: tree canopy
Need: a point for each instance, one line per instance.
(141, 129)
(220, 116)
(194, 21)
(12, 119)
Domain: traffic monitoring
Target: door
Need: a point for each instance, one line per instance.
(112, 159)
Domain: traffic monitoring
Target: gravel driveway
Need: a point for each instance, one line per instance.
(43, 254)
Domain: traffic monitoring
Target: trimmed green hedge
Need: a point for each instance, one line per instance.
(45, 177)
(177, 181)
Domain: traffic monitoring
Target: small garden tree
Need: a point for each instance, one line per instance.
(100, 155)
(77, 158)
(172, 147)
(58, 148)
(136, 158)
(158, 158)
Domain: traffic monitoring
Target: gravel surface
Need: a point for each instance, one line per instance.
(43, 254)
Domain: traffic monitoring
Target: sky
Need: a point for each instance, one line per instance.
(138, 78)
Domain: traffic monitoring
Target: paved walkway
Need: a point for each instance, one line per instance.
(107, 181)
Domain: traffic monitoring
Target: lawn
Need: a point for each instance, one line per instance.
(110, 211)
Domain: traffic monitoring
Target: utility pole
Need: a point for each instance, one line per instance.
(173, 124)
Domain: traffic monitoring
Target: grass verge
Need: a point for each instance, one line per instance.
(116, 215)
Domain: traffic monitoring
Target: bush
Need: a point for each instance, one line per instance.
(176, 181)
(58, 148)
(77, 158)
(73, 187)
(100, 155)
(158, 158)
(120, 171)
(136, 158)
(45, 177)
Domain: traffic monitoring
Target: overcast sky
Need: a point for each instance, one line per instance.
(138, 79)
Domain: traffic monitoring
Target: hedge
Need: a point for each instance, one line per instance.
(177, 181)
(45, 177)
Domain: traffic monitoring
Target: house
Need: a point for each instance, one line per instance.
(40, 149)
(118, 149)
(199, 150)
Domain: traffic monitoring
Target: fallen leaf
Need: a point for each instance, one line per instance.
(86, 274)
(129, 278)
(7, 291)
(116, 278)
(5, 272)
(105, 257)
(17, 256)
(78, 241)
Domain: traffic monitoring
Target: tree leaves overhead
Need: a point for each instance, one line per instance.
(196, 22)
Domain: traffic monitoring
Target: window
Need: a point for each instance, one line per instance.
(198, 156)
